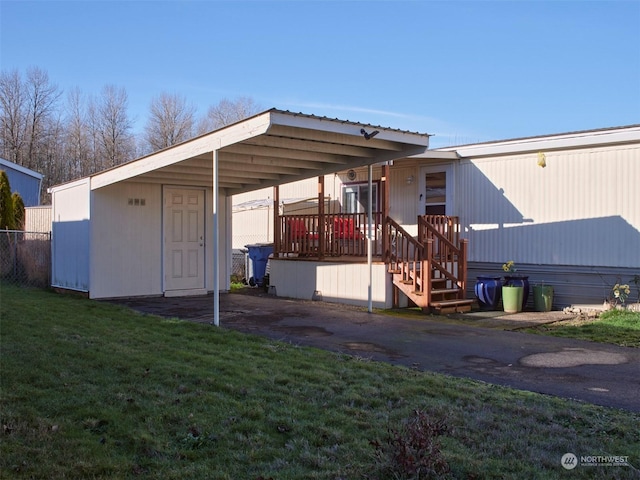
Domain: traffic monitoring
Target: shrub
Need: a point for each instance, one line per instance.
(18, 211)
(11, 206)
(412, 452)
(7, 217)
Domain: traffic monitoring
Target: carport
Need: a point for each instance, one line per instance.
(269, 149)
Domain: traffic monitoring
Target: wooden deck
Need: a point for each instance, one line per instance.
(430, 268)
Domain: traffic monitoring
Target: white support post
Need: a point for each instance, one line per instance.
(370, 241)
(216, 243)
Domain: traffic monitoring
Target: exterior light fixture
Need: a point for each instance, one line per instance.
(542, 161)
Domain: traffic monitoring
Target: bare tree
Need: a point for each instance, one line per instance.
(51, 155)
(116, 143)
(93, 129)
(41, 102)
(227, 112)
(12, 116)
(77, 144)
(92, 133)
(171, 121)
(31, 134)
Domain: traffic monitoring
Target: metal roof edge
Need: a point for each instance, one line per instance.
(344, 122)
(437, 154)
(227, 134)
(69, 184)
(21, 169)
(563, 141)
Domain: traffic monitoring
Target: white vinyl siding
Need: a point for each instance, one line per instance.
(581, 209)
(70, 236)
(346, 283)
(127, 241)
(37, 219)
(126, 245)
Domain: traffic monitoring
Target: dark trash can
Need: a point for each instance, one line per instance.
(259, 256)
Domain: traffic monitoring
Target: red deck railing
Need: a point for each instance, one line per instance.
(327, 235)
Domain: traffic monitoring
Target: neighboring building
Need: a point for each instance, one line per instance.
(37, 219)
(23, 181)
(253, 212)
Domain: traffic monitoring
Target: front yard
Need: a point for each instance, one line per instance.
(91, 390)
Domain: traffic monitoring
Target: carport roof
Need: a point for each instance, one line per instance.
(271, 148)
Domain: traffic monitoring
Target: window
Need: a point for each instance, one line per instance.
(355, 197)
(436, 193)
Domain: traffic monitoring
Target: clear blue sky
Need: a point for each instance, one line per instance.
(463, 71)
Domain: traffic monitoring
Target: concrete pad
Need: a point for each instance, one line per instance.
(511, 321)
(573, 357)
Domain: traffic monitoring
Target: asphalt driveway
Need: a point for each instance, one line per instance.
(591, 372)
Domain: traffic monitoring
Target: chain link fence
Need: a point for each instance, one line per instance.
(239, 265)
(25, 258)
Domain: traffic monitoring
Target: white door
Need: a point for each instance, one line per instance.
(184, 259)
(436, 191)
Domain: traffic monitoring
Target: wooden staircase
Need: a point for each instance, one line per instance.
(430, 269)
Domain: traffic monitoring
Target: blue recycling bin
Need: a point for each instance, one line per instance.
(259, 256)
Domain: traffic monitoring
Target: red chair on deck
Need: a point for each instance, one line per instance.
(344, 229)
(296, 228)
(301, 240)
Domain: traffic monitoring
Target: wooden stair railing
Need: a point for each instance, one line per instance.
(430, 270)
(406, 261)
(449, 253)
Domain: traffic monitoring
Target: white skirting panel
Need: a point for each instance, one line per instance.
(346, 283)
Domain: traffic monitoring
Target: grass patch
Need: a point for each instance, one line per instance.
(620, 327)
(92, 390)
(237, 287)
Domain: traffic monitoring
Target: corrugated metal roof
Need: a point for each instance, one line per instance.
(271, 148)
(348, 122)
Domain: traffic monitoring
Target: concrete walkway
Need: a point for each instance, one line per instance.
(485, 346)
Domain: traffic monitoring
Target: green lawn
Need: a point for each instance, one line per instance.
(92, 390)
(620, 327)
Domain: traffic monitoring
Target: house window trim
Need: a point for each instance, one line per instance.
(448, 168)
(376, 196)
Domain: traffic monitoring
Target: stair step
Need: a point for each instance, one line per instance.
(444, 291)
(452, 306)
(446, 303)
